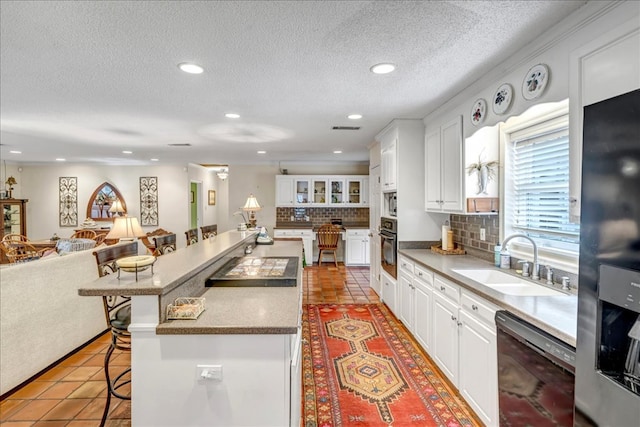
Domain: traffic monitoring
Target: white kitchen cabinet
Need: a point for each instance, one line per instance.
(389, 174)
(306, 234)
(322, 190)
(284, 190)
(445, 325)
(357, 250)
(601, 69)
(406, 292)
(443, 168)
(302, 191)
(423, 305)
(389, 292)
(478, 382)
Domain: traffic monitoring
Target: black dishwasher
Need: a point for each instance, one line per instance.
(535, 375)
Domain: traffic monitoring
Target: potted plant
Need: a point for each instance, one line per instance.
(486, 171)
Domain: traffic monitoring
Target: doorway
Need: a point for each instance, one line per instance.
(195, 204)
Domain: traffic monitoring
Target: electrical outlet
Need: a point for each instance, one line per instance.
(209, 372)
(483, 234)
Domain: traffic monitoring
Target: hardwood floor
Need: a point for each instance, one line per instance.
(72, 393)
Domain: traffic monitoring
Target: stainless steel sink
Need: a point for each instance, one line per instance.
(506, 283)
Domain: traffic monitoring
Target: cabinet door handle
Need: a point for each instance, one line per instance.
(453, 318)
(420, 274)
(442, 288)
(474, 307)
(459, 323)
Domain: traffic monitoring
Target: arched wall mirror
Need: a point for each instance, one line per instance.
(102, 200)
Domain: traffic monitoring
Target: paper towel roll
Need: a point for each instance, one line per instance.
(445, 232)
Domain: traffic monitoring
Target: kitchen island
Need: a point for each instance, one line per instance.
(237, 364)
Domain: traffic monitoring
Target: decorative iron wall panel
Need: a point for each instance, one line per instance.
(68, 201)
(149, 200)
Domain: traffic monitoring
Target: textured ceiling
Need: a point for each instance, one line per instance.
(86, 80)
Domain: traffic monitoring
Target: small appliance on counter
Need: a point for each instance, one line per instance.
(264, 238)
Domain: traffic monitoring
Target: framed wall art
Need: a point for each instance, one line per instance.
(149, 200)
(212, 197)
(68, 201)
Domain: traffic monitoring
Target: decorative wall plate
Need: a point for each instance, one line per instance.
(502, 99)
(535, 81)
(478, 112)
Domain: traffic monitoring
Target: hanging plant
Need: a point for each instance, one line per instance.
(486, 172)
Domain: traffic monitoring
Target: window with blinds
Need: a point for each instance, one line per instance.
(538, 191)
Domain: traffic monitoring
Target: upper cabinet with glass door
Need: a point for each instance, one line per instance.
(322, 190)
(319, 186)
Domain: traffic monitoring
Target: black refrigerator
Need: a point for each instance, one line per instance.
(607, 388)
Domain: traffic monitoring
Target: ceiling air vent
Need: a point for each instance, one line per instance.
(346, 128)
(180, 145)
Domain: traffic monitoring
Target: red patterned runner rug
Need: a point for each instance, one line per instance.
(362, 368)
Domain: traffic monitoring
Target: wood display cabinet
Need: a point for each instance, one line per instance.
(14, 216)
(14, 220)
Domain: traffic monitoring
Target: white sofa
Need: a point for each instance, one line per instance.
(42, 317)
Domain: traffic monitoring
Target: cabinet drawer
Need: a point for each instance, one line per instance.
(405, 265)
(446, 288)
(357, 233)
(293, 233)
(423, 274)
(482, 310)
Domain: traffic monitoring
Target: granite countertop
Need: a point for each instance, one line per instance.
(556, 315)
(248, 310)
(170, 270)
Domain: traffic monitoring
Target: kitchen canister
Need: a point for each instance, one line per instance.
(445, 236)
(496, 255)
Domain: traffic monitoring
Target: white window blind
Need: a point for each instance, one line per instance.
(540, 183)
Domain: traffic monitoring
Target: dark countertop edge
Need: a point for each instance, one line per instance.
(309, 225)
(169, 329)
(549, 328)
(113, 290)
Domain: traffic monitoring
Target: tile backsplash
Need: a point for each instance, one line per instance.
(319, 216)
(466, 231)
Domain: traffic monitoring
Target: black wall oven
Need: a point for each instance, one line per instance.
(389, 245)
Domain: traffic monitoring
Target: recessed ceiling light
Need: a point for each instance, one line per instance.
(354, 116)
(127, 152)
(383, 68)
(232, 116)
(154, 160)
(60, 159)
(262, 152)
(337, 151)
(191, 68)
(15, 152)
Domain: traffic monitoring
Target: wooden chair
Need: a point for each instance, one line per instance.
(164, 244)
(328, 237)
(117, 311)
(15, 237)
(192, 236)
(151, 246)
(84, 234)
(209, 230)
(18, 251)
(100, 239)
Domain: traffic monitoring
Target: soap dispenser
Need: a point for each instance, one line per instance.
(505, 258)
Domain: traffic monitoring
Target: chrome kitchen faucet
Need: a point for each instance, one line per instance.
(535, 275)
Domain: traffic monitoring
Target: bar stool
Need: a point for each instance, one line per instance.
(192, 236)
(209, 230)
(117, 310)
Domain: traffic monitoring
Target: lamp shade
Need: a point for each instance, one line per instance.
(125, 227)
(117, 207)
(252, 204)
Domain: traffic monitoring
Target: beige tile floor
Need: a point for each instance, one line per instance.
(73, 392)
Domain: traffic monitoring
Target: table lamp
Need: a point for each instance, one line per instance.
(117, 208)
(125, 228)
(252, 206)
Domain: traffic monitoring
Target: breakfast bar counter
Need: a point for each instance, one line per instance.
(243, 351)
